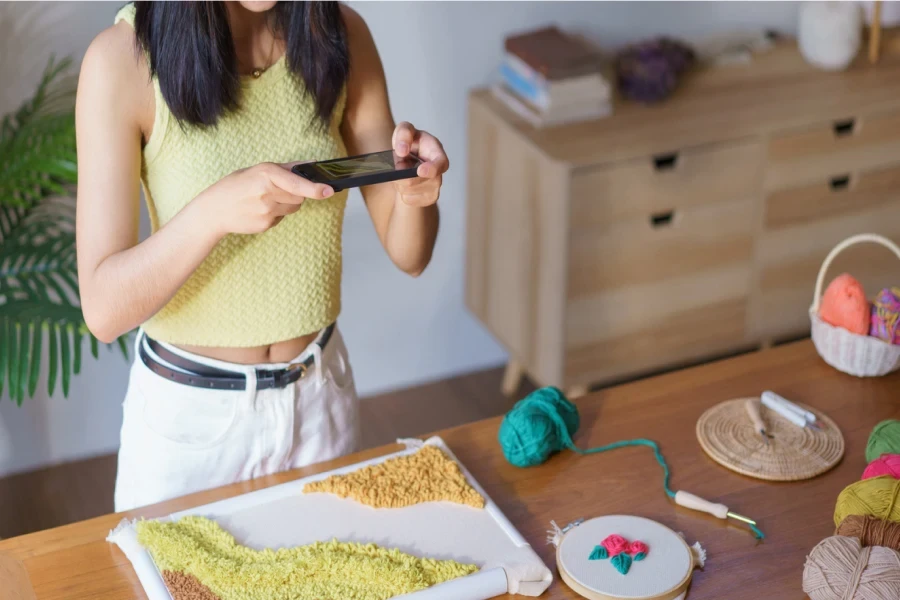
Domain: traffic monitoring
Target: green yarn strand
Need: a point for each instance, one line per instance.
(543, 423)
(667, 475)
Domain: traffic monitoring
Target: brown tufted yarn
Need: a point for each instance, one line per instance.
(184, 586)
(839, 568)
(871, 531)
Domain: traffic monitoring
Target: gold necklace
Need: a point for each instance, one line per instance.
(257, 72)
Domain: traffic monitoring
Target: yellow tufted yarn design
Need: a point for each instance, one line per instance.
(428, 475)
(252, 289)
(201, 561)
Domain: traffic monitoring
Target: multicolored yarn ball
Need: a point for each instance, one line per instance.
(885, 318)
(650, 71)
(878, 497)
(886, 464)
(884, 439)
(844, 305)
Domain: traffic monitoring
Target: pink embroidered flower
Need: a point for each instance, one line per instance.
(638, 548)
(615, 544)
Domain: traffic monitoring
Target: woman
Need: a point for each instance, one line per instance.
(240, 371)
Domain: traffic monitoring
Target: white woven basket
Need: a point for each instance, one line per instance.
(859, 355)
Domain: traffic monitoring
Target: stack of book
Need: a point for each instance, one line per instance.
(550, 78)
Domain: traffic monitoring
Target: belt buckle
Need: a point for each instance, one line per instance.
(280, 378)
(297, 366)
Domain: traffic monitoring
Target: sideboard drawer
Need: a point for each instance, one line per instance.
(824, 150)
(658, 184)
(842, 193)
(788, 261)
(644, 250)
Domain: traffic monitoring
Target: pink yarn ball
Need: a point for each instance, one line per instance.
(844, 305)
(638, 548)
(615, 544)
(886, 464)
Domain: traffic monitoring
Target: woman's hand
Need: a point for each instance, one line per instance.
(425, 189)
(257, 198)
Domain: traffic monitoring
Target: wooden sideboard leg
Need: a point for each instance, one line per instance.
(512, 377)
(576, 392)
(875, 33)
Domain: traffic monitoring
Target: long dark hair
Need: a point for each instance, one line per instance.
(192, 53)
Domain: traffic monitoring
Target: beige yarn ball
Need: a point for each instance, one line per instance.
(839, 568)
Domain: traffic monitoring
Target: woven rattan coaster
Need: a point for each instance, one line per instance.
(727, 435)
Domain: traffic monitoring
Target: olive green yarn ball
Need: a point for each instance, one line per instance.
(884, 439)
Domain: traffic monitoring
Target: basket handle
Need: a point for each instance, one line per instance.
(850, 241)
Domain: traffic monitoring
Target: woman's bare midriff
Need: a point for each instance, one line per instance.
(280, 352)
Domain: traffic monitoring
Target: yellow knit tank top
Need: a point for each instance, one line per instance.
(258, 289)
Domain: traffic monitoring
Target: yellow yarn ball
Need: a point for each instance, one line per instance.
(877, 497)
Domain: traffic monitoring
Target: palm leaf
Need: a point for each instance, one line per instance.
(4, 350)
(37, 336)
(38, 271)
(53, 358)
(66, 359)
(37, 143)
(22, 362)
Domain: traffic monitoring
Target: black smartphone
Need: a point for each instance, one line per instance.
(356, 171)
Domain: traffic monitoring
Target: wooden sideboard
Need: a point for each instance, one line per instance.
(675, 233)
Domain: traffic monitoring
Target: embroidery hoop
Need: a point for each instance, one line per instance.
(664, 575)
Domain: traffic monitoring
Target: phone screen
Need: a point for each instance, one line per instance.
(367, 164)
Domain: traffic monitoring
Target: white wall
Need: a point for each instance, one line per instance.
(400, 331)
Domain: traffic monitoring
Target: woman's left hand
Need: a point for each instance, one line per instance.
(425, 189)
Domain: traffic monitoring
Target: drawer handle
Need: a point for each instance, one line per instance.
(840, 183)
(663, 219)
(844, 127)
(665, 162)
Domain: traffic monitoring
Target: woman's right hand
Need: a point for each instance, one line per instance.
(255, 199)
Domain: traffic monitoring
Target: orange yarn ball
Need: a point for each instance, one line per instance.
(844, 305)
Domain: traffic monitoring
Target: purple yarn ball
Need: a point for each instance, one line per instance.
(885, 324)
(650, 71)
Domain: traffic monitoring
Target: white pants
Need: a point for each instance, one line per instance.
(179, 439)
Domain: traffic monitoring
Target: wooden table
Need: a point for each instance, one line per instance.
(74, 562)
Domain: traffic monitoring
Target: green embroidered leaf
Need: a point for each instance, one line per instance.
(37, 337)
(622, 562)
(598, 553)
(66, 359)
(53, 357)
(640, 556)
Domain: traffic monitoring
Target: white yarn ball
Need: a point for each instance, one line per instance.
(830, 33)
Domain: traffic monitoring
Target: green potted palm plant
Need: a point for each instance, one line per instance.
(39, 301)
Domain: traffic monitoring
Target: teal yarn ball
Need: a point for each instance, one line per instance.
(884, 439)
(539, 425)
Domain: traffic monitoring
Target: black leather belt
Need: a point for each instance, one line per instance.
(196, 374)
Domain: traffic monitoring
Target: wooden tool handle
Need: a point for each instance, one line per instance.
(752, 406)
(693, 502)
